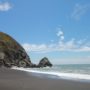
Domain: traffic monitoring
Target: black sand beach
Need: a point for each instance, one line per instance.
(19, 80)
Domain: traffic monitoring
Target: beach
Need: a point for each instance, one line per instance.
(20, 80)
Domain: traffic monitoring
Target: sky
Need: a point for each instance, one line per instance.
(57, 29)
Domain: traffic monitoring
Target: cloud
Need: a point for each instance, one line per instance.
(71, 45)
(60, 34)
(5, 6)
(62, 37)
(79, 11)
(34, 47)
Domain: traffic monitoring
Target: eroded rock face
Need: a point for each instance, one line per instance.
(44, 62)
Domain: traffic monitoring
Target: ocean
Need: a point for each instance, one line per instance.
(70, 71)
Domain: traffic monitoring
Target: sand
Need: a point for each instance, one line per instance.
(20, 80)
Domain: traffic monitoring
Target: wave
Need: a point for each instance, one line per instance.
(60, 75)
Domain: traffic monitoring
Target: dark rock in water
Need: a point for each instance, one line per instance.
(44, 62)
(13, 54)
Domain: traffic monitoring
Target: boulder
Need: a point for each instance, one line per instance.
(44, 62)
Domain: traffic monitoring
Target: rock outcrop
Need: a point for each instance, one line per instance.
(13, 54)
(44, 62)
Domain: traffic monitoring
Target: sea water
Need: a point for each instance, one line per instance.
(70, 71)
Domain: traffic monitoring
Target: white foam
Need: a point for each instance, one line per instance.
(61, 75)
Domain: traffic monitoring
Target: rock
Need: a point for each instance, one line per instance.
(2, 55)
(22, 63)
(12, 53)
(44, 62)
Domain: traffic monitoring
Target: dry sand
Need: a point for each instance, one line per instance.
(19, 80)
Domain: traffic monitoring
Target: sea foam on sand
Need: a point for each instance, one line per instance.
(60, 75)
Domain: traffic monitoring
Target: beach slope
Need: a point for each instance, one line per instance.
(20, 80)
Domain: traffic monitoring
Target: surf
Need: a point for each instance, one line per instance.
(74, 76)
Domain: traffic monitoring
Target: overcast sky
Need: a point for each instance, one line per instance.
(57, 29)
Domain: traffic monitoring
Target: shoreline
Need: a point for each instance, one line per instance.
(20, 80)
(57, 75)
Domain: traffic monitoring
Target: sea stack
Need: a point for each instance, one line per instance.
(44, 62)
(13, 54)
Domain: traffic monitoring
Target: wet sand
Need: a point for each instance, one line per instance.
(20, 80)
